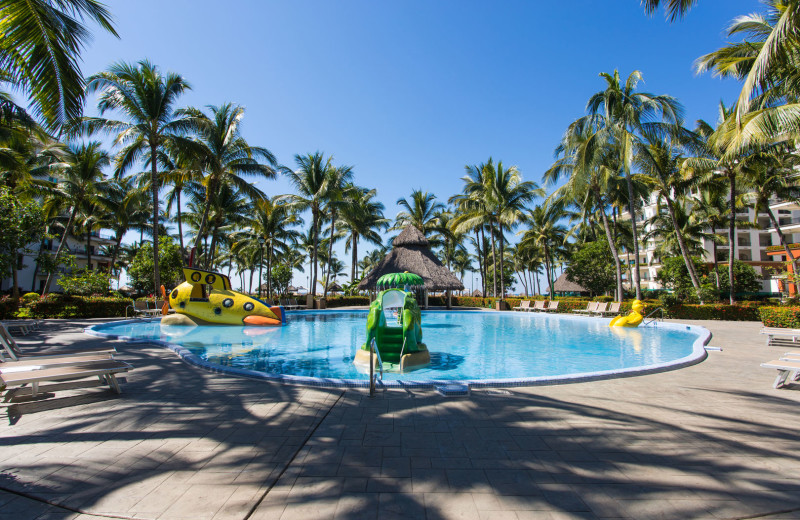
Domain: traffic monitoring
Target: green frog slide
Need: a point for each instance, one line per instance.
(394, 322)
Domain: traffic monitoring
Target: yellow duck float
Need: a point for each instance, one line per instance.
(633, 319)
(206, 297)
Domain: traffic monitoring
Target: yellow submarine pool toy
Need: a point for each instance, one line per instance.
(206, 297)
(633, 319)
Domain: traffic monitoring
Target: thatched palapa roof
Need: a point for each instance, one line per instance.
(563, 285)
(412, 253)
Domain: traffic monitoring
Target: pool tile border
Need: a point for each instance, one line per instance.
(698, 355)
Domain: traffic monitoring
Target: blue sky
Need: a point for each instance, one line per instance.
(410, 92)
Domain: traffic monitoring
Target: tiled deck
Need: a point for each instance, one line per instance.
(710, 441)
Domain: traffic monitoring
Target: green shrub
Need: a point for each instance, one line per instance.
(63, 306)
(30, 297)
(85, 282)
(8, 308)
(346, 301)
(783, 317)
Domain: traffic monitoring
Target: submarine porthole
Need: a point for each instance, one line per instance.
(182, 305)
(217, 311)
(227, 302)
(248, 306)
(174, 294)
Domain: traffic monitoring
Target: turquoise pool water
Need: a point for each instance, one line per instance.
(464, 346)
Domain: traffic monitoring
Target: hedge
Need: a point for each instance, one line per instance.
(346, 301)
(8, 309)
(783, 317)
(62, 306)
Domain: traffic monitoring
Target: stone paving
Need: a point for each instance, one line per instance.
(709, 441)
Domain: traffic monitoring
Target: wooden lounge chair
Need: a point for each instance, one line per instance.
(552, 306)
(590, 307)
(784, 368)
(613, 308)
(778, 336)
(9, 349)
(538, 305)
(524, 305)
(601, 308)
(104, 370)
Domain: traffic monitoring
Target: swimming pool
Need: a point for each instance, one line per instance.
(474, 347)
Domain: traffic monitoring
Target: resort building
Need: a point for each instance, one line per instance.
(29, 277)
(754, 245)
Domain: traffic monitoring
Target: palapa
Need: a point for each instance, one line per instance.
(412, 253)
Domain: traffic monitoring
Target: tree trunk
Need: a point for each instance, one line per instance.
(89, 250)
(636, 279)
(502, 273)
(250, 289)
(547, 268)
(116, 250)
(714, 252)
(353, 256)
(494, 264)
(611, 246)
(315, 240)
(538, 283)
(212, 248)
(154, 186)
(180, 228)
(479, 255)
(684, 251)
(732, 238)
(789, 256)
(330, 249)
(260, 273)
(15, 279)
(212, 185)
(67, 229)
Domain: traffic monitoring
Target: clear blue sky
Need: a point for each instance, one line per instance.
(409, 92)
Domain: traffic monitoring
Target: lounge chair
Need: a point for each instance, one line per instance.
(524, 305)
(539, 305)
(552, 306)
(24, 327)
(778, 336)
(784, 368)
(601, 308)
(612, 309)
(590, 307)
(139, 308)
(9, 349)
(104, 370)
(295, 304)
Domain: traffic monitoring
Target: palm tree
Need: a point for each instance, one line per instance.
(79, 181)
(39, 52)
(361, 217)
(710, 207)
(545, 232)
(420, 212)
(660, 164)
(337, 198)
(225, 156)
(311, 181)
(625, 115)
(585, 157)
(674, 8)
(473, 215)
(147, 98)
(127, 206)
(508, 196)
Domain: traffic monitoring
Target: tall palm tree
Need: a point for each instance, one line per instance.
(79, 181)
(147, 99)
(473, 215)
(225, 156)
(311, 181)
(626, 114)
(545, 232)
(660, 161)
(674, 8)
(127, 206)
(361, 217)
(39, 52)
(337, 198)
(710, 207)
(508, 197)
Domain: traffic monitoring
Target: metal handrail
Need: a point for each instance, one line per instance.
(657, 309)
(374, 351)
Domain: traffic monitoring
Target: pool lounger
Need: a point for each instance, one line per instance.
(104, 370)
(9, 349)
(784, 368)
(779, 336)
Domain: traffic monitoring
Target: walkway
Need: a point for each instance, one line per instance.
(710, 441)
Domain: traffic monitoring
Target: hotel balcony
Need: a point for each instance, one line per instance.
(788, 225)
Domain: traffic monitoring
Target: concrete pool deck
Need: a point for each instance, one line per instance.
(713, 440)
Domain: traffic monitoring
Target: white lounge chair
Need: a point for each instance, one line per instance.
(104, 370)
(9, 349)
(784, 368)
(524, 305)
(613, 308)
(552, 306)
(779, 336)
(539, 305)
(590, 308)
(600, 309)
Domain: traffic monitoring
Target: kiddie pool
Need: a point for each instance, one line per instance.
(476, 348)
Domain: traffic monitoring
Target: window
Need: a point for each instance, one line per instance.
(764, 239)
(745, 255)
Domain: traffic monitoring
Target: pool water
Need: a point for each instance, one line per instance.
(464, 345)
